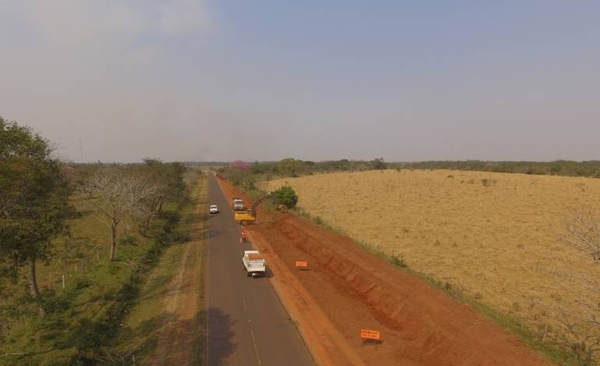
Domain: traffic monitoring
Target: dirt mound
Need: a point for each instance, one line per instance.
(358, 290)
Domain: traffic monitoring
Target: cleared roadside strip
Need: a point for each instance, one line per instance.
(320, 336)
(327, 346)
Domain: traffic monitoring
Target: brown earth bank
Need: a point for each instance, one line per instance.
(357, 290)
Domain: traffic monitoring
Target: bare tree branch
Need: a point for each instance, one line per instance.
(582, 231)
(116, 195)
(581, 324)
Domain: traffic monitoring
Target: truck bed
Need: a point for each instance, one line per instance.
(254, 263)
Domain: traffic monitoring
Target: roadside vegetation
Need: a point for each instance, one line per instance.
(237, 171)
(139, 337)
(77, 244)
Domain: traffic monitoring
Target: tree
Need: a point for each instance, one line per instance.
(117, 194)
(149, 207)
(170, 186)
(290, 167)
(34, 201)
(378, 164)
(582, 231)
(286, 196)
(239, 164)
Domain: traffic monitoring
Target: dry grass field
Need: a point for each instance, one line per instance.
(492, 236)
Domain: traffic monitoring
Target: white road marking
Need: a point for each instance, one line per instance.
(255, 347)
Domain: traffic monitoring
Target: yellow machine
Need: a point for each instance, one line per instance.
(250, 215)
(242, 216)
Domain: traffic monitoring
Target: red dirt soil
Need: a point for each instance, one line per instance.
(346, 289)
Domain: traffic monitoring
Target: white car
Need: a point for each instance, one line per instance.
(213, 209)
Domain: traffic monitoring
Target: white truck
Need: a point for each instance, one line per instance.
(254, 263)
(238, 204)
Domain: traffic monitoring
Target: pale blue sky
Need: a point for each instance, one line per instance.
(186, 80)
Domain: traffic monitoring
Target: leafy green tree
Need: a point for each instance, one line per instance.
(34, 201)
(168, 179)
(286, 196)
(290, 167)
(378, 164)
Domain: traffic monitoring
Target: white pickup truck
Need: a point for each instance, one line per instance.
(254, 263)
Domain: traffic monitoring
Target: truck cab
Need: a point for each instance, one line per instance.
(238, 204)
(254, 263)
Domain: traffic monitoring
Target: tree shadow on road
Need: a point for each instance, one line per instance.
(219, 328)
(210, 233)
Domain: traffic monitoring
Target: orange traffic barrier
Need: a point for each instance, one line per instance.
(374, 335)
(301, 264)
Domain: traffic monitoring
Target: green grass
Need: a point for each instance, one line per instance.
(141, 330)
(86, 317)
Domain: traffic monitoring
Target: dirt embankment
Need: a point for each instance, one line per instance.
(357, 290)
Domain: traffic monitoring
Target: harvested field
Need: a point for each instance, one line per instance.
(492, 236)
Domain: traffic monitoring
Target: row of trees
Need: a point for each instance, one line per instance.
(247, 175)
(559, 167)
(35, 193)
(118, 192)
(290, 167)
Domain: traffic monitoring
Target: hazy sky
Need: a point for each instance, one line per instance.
(190, 80)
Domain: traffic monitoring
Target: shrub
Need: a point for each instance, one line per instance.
(488, 182)
(82, 282)
(286, 196)
(128, 240)
(398, 261)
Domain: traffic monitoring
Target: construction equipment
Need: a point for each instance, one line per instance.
(250, 215)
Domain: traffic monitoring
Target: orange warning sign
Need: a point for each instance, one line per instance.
(370, 334)
(301, 264)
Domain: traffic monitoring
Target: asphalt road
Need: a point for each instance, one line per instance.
(246, 323)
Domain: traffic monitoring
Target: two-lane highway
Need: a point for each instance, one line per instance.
(246, 323)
